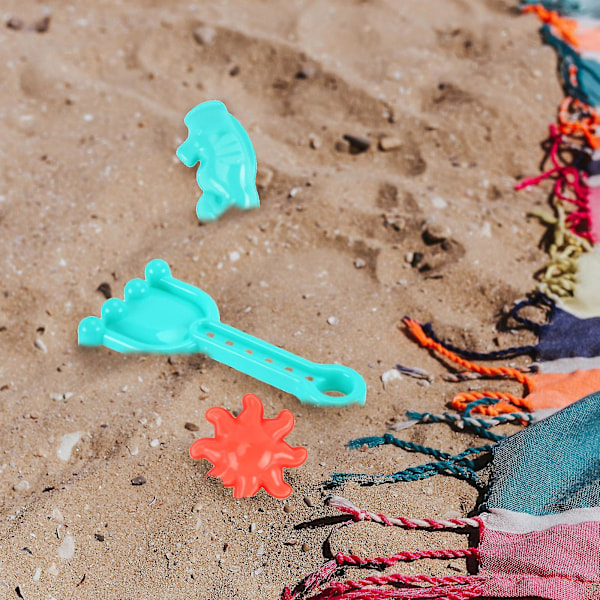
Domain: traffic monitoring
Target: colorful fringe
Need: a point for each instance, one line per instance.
(576, 191)
(539, 526)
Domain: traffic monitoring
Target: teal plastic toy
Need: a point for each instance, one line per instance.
(167, 316)
(227, 171)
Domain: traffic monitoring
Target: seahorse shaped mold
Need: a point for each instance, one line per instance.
(227, 171)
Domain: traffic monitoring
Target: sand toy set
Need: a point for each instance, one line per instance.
(160, 314)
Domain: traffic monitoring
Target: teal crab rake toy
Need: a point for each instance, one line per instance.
(227, 171)
(166, 316)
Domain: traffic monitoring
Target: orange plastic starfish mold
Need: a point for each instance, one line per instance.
(248, 451)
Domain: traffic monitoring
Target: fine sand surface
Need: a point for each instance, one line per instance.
(91, 113)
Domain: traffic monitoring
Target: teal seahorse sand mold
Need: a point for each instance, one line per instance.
(227, 171)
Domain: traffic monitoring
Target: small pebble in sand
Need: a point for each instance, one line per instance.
(67, 547)
(305, 547)
(104, 289)
(314, 141)
(389, 143)
(155, 443)
(294, 192)
(417, 259)
(57, 516)
(261, 550)
(264, 176)
(438, 202)
(252, 527)
(433, 233)
(15, 23)
(390, 376)
(39, 344)
(42, 25)
(288, 508)
(52, 570)
(358, 143)
(342, 146)
(308, 501)
(205, 388)
(67, 444)
(360, 263)
(333, 320)
(415, 372)
(139, 480)
(21, 486)
(191, 426)
(37, 574)
(204, 35)
(197, 507)
(486, 230)
(305, 72)
(99, 537)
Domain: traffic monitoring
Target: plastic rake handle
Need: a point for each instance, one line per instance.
(309, 382)
(168, 316)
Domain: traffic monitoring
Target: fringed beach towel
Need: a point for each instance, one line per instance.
(539, 526)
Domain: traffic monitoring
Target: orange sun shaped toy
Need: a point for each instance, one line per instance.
(248, 451)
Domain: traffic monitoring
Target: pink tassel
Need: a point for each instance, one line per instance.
(566, 177)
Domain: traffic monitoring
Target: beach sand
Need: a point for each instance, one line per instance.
(91, 113)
